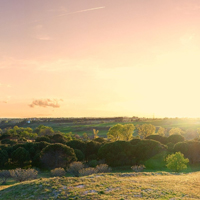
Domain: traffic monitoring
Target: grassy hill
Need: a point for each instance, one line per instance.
(146, 185)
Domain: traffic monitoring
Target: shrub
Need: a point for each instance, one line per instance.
(43, 138)
(138, 168)
(175, 139)
(103, 168)
(74, 168)
(4, 175)
(87, 171)
(58, 172)
(77, 144)
(177, 162)
(79, 154)
(93, 163)
(23, 174)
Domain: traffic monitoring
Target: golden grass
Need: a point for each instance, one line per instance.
(109, 186)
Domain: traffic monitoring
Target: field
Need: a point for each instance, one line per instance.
(143, 185)
(103, 126)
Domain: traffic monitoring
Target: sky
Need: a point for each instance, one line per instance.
(99, 58)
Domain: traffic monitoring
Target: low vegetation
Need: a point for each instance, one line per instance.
(142, 185)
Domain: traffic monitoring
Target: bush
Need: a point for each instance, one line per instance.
(177, 162)
(138, 168)
(103, 168)
(93, 163)
(4, 175)
(23, 174)
(74, 168)
(43, 138)
(77, 144)
(175, 139)
(79, 154)
(58, 172)
(87, 171)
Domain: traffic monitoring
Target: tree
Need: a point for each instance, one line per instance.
(20, 155)
(57, 155)
(177, 162)
(95, 133)
(176, 131)
(127, 131)
(115, 133)
(161, 131)
(175, 139)
(146, 129)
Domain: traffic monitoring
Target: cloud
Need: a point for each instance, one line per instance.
(4, 102)
(46, 103)
(80, 11)
(5, 85)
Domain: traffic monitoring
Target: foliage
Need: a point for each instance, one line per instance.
(161, 131)
(58, 138)
(100, 140)
(20, 155)
(190, 149)
(3, 157)
(117, 153)
(79, 154)
(103, 168)
(87, 171)
(43, 139)
(23, 174)
(57, 155)
(74, 168)
(95, 132)
(175, 139)
(92, 150)
(77, 144)
(158, 138)
(176, 162)
(4, 175)
(176, 131)
(58, 172)
(138, 168)
(93, 163)
(115, 133)
(145, 130)
(121, 132)
(127, 131)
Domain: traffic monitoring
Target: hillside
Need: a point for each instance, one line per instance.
(159, 185)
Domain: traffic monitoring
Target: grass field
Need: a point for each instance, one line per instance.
(103, 127)
(143, 185)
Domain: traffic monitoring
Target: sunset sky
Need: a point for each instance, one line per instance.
(99, 58)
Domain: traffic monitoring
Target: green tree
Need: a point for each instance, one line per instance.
(57, 155)
(161, 131)
(177, 162)
(20, 155)
(95, 133)
(127, 131)
(146, 129)
(176, 131)
(115, 133)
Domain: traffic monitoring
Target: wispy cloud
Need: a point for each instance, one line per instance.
(80, 11)
(46, 103)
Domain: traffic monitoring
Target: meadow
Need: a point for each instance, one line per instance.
(141, 185)
(80, 127)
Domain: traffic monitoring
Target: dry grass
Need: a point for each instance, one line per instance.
(142, 185)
